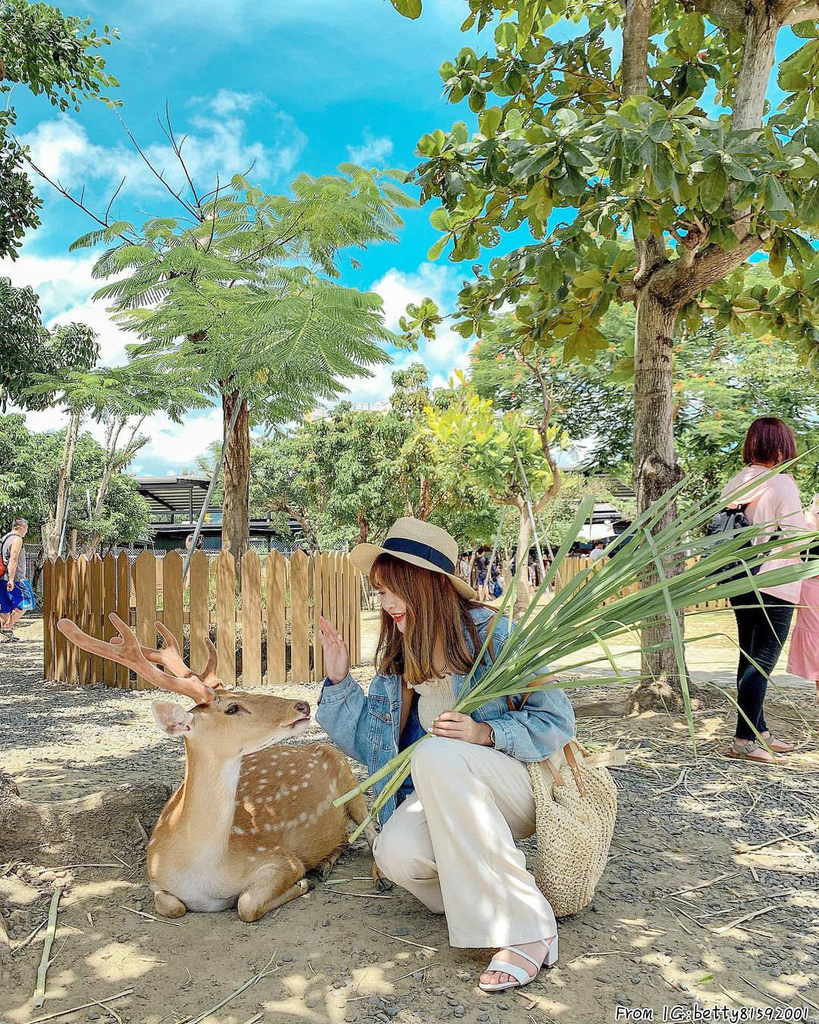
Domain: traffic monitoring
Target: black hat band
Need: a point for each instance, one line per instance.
(413, 547)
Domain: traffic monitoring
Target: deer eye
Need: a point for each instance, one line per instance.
(234, 709)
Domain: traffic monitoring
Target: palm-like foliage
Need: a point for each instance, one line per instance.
(596, 608)
(242, 295)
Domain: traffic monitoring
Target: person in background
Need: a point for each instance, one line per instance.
(481, 574)
(531, 569)
(16, 595)
(463, 566)
(189, 543)
(803, 656)
(764, 621)
(597, 550)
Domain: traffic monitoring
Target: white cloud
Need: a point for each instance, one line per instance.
(372, 151)
(449, 351)
(226, 101)
(174, 447)
(433, 280)
(65, 286)
(442, 357)
(216, 146)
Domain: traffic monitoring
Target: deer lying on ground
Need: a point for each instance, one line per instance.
(251, 818)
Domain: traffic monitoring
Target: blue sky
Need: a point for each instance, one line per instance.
(290, 85)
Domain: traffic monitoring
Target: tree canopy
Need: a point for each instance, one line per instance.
(53, 55)
(29, 352)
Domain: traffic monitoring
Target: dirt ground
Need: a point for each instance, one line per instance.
(701, 842)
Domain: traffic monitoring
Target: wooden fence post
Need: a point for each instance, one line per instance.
(358, 588)
(60, 642)
(317, 561)
(299, 619)
(145, 590)
(226, 616)
(199, 605)
(172, 616)
(123, 609)
(72, 611)
(109, 604)
(95, 624)
(276, 574)
(48, 619)
(83, 616)
(349, 606)
(251, 620)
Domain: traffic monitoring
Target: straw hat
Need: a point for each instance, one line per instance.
(419, 543)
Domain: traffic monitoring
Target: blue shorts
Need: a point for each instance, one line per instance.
(22, 596)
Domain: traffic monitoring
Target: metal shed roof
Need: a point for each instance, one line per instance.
(180, 496)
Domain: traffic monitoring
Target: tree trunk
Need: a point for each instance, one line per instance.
(761, 30)
(236, 500)
(52, 532)
(655, 461)
(424, 502)
(363, 528)
(522, 598)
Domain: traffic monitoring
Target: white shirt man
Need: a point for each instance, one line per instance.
(15, 590)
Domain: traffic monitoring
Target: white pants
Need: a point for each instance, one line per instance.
(452, 844)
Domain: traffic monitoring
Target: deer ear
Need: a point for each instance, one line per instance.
(171, 718)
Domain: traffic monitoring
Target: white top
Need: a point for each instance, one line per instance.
(434, 697)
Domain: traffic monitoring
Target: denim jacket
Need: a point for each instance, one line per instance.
(366, 727)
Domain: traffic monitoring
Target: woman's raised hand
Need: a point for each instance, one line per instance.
(336, 655)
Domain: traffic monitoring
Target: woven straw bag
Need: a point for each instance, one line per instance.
(575, 811)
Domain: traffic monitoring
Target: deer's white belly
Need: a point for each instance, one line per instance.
(201, 885)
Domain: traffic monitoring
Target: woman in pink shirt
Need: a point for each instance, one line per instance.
(803, 656)
(763, 622)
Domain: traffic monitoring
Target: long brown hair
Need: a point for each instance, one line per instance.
(434, 609)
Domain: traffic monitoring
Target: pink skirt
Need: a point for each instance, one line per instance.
(803, 656)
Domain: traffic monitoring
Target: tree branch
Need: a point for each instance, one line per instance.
(710, 266)
(730, 13)
(77, 202)
(177, 195)
(636, 29)
(543, 431)
(802, 12)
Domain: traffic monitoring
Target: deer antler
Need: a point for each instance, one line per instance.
(170, 658)
(126, 650)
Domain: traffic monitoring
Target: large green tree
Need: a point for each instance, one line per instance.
(502, 455)
(347, 475)
(723, 383)
(30, 465)
(119, 398)
(590, 403)
(28, 350)
(242, 294)
(647, 133)
(53, 55)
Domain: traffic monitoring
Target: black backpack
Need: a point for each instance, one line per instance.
(730, 521)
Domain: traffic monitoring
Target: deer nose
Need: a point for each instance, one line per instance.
(302, 707)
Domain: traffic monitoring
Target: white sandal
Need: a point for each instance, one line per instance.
(520, 973)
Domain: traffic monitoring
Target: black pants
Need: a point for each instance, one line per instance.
(762, 631)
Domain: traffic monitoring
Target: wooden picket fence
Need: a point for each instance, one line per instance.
(286, 597)
(571, 567)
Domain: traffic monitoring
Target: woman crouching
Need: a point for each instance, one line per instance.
(449, 835)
